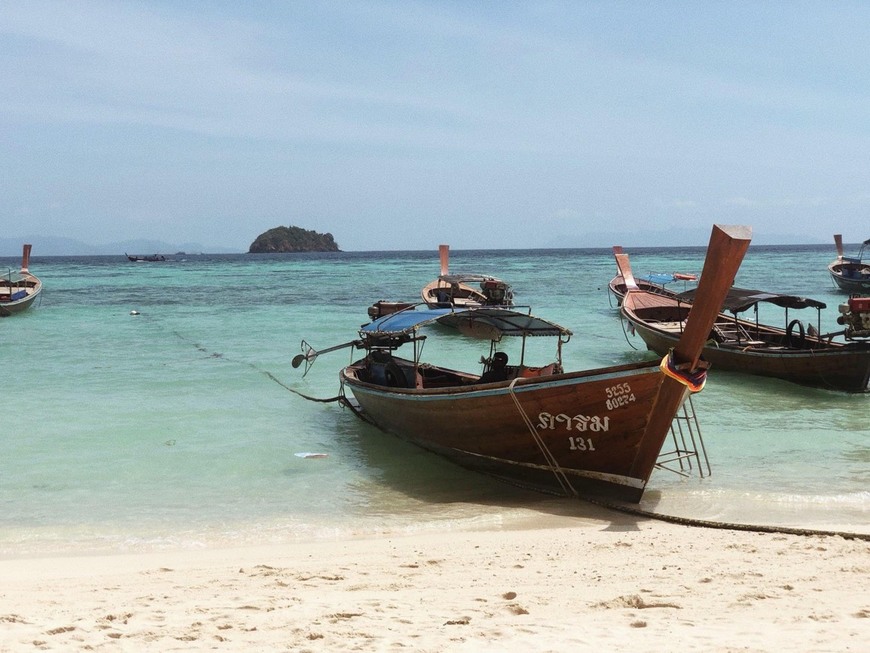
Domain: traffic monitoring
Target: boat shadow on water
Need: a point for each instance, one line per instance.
(424, 477)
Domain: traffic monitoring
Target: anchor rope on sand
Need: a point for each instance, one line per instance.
(703, 523)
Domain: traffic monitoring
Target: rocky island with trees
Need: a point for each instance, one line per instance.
(292, 239)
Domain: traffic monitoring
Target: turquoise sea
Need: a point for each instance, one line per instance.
(173, 429)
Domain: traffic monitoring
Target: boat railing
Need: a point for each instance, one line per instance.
(13, 279)
(734, 332)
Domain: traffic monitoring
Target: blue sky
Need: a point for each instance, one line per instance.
(402, 125)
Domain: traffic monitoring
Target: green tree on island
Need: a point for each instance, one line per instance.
(292, 239)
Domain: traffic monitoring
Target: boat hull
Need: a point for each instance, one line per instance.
(853, 278)
(838, 367)
(590, 425)
(31, 287)
(440, 294)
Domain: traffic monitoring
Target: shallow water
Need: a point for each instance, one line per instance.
(171, 428)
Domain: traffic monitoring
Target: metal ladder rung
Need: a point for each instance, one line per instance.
(688, 444)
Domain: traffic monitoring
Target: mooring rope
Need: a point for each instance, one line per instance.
(560, 475)
(704, 523)
(296, 392)
(256, 367)
(690, 521)
(622, 322)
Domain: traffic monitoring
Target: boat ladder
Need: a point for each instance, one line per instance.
(688, 446)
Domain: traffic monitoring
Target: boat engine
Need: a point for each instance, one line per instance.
(497, 292)
(855, 316)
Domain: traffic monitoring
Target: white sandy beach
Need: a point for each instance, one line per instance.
(559, 585)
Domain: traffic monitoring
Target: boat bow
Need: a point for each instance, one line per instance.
(728, 245)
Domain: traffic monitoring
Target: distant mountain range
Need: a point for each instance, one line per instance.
(51, 246)
(683, 237)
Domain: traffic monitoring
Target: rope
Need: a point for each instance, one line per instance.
(346, 403)
(548, 456)
(624, 333)
(296, 392)
(703, 523)
(689, 521)
(253, 366)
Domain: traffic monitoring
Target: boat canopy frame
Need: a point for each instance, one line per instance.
(739, 300)
(501, 321)
(13, 277)
(463, 277)
(487, 323)
(742, 299)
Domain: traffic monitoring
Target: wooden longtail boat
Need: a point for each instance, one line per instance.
(18, 290)
(796, 352)
(147, 258)
(850, 273)
(654, 282)
(456, 290)
(597, 431)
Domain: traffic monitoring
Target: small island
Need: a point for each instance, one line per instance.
(292, 239)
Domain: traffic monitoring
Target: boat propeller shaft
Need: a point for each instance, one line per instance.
(309, 354)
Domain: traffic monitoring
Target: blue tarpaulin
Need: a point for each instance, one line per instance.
(485, 320)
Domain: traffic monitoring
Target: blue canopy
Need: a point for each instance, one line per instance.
(484, 322)
(403, 321)
(659, 278)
